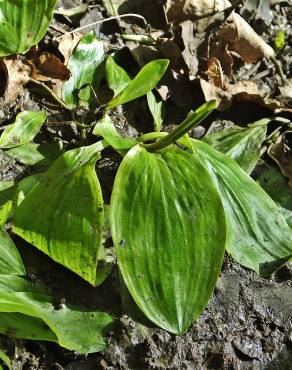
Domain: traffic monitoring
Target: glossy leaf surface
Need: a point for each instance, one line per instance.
(258, 234)
(86, 57)
(117, 78)
(241, 144)
(75, 329)
(23, 24)
(144, 82)
(63, 214)
(10, 260)
(168, 228)
(107, 130)
(23, 130)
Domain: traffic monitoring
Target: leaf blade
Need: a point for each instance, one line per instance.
(68, 231)
(144, 82)
(259, 237)
(23, 130)
(158, 252)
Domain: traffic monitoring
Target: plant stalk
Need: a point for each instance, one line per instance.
(191, 121)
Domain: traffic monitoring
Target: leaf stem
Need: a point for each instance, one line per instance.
(51, 92)
(192, 120)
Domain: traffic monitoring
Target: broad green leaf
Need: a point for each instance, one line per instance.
(23, 130)
(7, 189)
(168, 228)
(63, 214)
(10, 260)
(75, 329)
(241, 144)
(117, 78)
(107, 130)
(144, 82)
(276, 185)
(86, 57)
(15, 195)
(258, 235)
(32, 154)
(18, 325)
(23, 24)
(156, 109)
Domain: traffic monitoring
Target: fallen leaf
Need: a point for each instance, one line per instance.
(215, 72)
(16, 76)
(281, 153)
(67, 44)
(241, 91)
(181, 10)
(47, 66)
(241, 38)
(72, 12)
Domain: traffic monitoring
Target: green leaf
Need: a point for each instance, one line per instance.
(241, 144)
(276, 185)
(18, 325)
(107, 130)
(6, 360)
(32, 154)
(258, 235)
(117, 78)
(23, 130)
(144, 82)
(75, 329)
(168, 229)
(23, 24)
(10, 260)
(63, 214)
(7, 189)
(156, 110)
(83, 63)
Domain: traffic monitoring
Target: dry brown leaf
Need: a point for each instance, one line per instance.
(17, 76)
(47, 66)
(215, 72)
(67, 44)
(240, 37)
(180, 10)
(241, 91)
(281, 153)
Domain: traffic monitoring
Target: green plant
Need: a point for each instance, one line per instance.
(174, 209)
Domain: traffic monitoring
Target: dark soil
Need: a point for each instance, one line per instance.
(247, 323)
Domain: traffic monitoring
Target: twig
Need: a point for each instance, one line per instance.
(51, 92)
(110, 19)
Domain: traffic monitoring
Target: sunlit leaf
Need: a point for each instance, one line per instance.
(117, 78)
(241, 144)
(10, 260)
(144, 82)
(68, 224)
(156, 109)
(32, 154)
(83, 63)
(258, 234)
(23, 130)
(107, 130)
(168, 229)
(23, 24)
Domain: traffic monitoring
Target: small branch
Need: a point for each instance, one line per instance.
(51, 92)
(111, 19)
